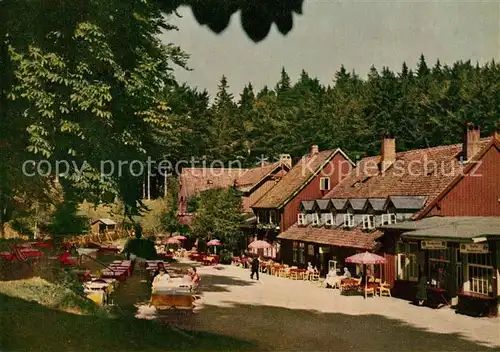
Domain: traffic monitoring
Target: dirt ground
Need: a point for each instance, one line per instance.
(281, 314)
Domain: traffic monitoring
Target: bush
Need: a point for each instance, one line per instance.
(142, 248)
(225, 256)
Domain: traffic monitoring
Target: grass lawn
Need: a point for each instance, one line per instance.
(29, 326)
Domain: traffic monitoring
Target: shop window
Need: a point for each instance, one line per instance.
(302, 256)
(407, 262)
(439, 268)
(480, 273)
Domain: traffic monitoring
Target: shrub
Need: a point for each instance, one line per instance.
(225, 256)
(142, 248)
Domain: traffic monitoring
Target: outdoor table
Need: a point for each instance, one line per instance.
(120, 275)
(95, 285)
(475, 304)
(32, 253)
(436, 297)
(26, 245)
(333, 281)
(44, 244)
(349, 284)
(99, 297)
(7, 256)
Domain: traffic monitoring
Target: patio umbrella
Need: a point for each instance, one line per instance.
(171, 240)
(214, 243)
(365, 258)
(259, 245)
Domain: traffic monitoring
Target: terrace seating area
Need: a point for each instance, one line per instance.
(98, 288)
(204, 258)
(347, 286)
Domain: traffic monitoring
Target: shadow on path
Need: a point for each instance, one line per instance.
(27, 326)
(217, 283)
(277, 328)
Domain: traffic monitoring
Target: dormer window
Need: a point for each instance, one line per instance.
(348, 220)
(324, 183)
(388, 219)
(368, 222)
(301, 219)
(329, 219)
(315, 219)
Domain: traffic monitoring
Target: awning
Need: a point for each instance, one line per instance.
(354, 238)
(456, 229)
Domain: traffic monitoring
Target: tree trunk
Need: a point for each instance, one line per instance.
(149, 186)
(165, 185)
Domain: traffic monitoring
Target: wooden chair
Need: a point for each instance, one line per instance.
(315, 276)
(369, 290)
(384, 288)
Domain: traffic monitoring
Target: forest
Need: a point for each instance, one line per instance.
(422, 107)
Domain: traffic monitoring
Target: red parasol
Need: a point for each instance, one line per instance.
(365, 258)
(172, 240)
(259, 245)
(214, 242)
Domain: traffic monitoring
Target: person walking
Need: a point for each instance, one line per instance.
(255, 268)
(421, 290)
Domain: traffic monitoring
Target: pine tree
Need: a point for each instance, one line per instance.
(284, 84)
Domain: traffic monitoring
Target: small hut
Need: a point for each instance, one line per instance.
(103, 225)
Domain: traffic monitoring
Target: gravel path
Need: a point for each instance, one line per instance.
(281, 314)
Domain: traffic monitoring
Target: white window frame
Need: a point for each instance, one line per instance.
(349, 220)
(329, 220)
(322, 185)
(481, 282)
(302, 219)
(315, 219)
(481, 279)
(388, 219)
(368, 222)
(408, 271)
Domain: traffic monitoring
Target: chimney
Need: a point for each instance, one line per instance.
(286, 159)
(314, 149)
(471, 141)
(388, 152)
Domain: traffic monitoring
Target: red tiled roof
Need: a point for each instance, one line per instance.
(432, 170)
(421, 172)
(253, 176)
(355, 238)
(196, 180)
(296, 178)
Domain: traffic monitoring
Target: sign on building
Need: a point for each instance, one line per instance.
(474, 248)
(436, 245)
